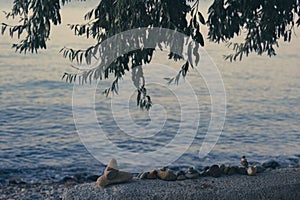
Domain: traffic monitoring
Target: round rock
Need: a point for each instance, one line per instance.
(151, 176)
(251, 171)
(191, 173)
(166, 175)
(242, 170)
(215, 171)
(271, 164)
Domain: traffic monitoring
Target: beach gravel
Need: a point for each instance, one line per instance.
(274, 184)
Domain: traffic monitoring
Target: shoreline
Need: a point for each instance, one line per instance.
(281, 183)
(284, 180)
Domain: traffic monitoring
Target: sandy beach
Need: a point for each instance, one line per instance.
(274, 184)
(51, 191)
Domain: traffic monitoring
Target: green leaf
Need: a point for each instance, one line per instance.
(201, 18)
(65, 74)
(3, 28)
(199, 38)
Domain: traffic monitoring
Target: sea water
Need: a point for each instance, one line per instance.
(39, 139)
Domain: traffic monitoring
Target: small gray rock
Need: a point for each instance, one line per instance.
(143, 175)
(92, 178)
(166, 175)
(232, 170)
(151, 176)
(215, 171)
(251, 171)
(222, 167)
(242, 170)
(15, 180)
(191, 173)
(260, 169)
(271, 164)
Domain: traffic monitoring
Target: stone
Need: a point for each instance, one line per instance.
(151, 176)
(260, 169)
(113, 164)
(110, 173)
(143, 175)
(242, 170)
(122, 177)
(215, 171)
(163, 169)
(113, 175)
(203, 173)
(226, 170)
(92, 178)
(191, 173)
(271, 164)
(232, 170)
(180, 175)
(112, 169)
(222, 167)
(15, 180)
(244, 161)
(206, 168)
(153, 171)
(251, 171)
(166, 175)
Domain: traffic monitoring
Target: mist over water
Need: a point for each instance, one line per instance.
(39, 141)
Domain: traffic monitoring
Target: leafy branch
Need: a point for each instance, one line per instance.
(264, 24)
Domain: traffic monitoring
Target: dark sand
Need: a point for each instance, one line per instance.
(275, 184)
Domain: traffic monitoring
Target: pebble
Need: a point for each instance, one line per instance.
(203, 173)
(271, 164)
(113, 164)
(226, 170)
(143, 175)
(191, 173)
(166, 175)
(180, 175)
(151, 176)
(242, 170)
(251, 171)
(206, 168)
(15, 180)
(113, 175)
(121, 177)
(92, 178)
(215, 171)
(16, 188)
(153, 171)
(260, 169)
(231, 170)
(222, 168)
(244, 161)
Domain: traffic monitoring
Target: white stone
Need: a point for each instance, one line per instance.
(251, 171)
(113, 164)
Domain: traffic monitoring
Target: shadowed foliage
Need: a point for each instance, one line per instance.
(261, 23)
